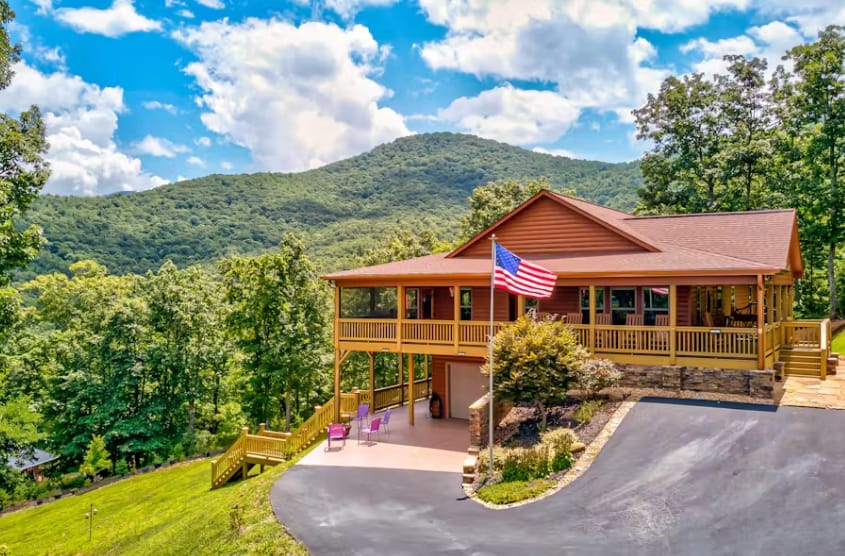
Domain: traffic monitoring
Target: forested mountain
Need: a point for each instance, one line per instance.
(338, 209)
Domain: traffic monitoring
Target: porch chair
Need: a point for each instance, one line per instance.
(604, 319)
(574, 318)
(372, 428)
(662, 336)
(632, 338)
(363, 415)
(337, 431)
(386, 421)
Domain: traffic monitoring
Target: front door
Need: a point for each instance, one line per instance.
(466, 385)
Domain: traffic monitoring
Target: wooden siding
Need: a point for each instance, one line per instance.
(443, 304)
(563, 300)
(438, 381)
(684, 306)
(481, 304)
(547, 227)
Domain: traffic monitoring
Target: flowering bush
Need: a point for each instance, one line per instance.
(595, 375)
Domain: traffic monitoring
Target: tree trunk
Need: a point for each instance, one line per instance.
(831, 280)
(287, 409)
(541, 408)
(191, 412)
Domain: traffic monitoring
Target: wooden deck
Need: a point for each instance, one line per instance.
(728, 347)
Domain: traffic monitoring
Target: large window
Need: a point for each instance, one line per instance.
(374, 303)
(585, 303)
(466, 304)
(655, 302)
(623, 302)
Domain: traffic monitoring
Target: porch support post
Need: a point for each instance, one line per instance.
(673, 322)
(592, 346)
(761, 338)
(456, 314)
(770, 303)
(401, 378)
(372, 381)
(727, 300)
(411, 389)
(520, 306)
(791, 302)
(400, 315)
(337, 361)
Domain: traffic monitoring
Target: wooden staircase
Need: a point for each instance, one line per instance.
(804, 361)
(272, 447)
(806, 349)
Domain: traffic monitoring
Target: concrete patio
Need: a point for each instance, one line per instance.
(429, 445)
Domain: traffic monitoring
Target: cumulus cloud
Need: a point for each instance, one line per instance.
(295, 97)
(226, 165)
(557, 152)
(81, 120)
(117, 20)
(589, 51)
(196, 161)
(202, 141)
(348, 8)
(158, 146)
(513, 115)
(187, 14)
(213, 4)
(158, 105)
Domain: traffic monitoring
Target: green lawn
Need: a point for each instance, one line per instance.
(171, 511)
(837, 344)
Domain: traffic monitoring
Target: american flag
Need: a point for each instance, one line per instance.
(521, 277)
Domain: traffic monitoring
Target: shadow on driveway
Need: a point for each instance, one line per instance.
(677, 477)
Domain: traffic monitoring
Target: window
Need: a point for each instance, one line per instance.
(585, 303)
(655, 302)
(411, 300)
(466, 303)
(532, 304)
(623, 301)
(358, 303)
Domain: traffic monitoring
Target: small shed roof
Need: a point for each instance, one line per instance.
(25, 461)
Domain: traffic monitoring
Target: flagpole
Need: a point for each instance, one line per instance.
(490, 424)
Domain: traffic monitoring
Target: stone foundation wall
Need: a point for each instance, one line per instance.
(479, 413)
(756, 384)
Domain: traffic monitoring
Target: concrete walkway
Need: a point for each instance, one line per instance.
(429, 445)
(678, 477)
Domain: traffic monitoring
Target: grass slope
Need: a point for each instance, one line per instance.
(339, 209)
(171, 511)
(837, 344)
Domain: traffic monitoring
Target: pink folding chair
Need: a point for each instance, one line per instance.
(386, 421)
(337, 431)
(372, 428)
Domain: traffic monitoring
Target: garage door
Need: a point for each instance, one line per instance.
(466, 384)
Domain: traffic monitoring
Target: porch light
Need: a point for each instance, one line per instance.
(461, 353)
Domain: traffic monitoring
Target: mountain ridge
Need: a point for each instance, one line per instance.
(339, 209)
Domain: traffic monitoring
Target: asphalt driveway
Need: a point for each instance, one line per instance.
(678, 477)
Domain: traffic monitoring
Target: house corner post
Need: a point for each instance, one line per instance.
(337, 354)
(673, 323)
(761, 337)
(411, 396)
(592, 340)
(372, 357)
(456, 314)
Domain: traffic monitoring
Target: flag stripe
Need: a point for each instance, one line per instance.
(521, 277)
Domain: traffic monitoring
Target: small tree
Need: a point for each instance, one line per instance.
(535, 361)
(96, 458)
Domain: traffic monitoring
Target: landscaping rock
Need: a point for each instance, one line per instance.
(578, 447)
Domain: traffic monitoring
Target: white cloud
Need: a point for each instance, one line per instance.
(202, 141)
(811, 16)
(157, 105)
(196, 161)
(226, 165)
(158, 146)
(44, 6)
(187, 14)
(213, 4)
(295, 97)
(81, 120)
(513, 115)
(348, 8)
(118, 19)
(557, 152)
(769, 41)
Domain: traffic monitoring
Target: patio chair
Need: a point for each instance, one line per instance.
(574, 318)
(632, 337)
(337, 431)
(363, 415)
(370, 429)
(386, 421)
(661, 337)
(604, 319)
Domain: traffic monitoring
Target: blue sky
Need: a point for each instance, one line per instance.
(141, 93)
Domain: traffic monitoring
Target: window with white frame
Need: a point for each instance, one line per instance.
(623, 301)
(584, 295)
(655, 302)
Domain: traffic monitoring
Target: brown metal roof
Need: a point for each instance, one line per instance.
(757, 242)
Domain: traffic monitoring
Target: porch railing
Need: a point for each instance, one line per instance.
(735, 343)
(803, 333)
(396, 394)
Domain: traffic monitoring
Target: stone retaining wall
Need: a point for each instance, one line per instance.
(756, 384)
(479, 413)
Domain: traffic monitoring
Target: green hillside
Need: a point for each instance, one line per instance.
(339, 209)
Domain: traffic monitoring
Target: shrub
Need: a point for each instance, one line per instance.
(121, 467)
(560, 443)
(177, 452)
(96, 458)
(586, 410)
(522, 464)
(204, 441)
(505, 493)
(595, 375)
(561, 461)
(499, 454)
(72, 480)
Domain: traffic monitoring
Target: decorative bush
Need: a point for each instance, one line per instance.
(586, 410)
(595, 375)
(121, 467)
(505, 493)
(523, 464)
(559, 439)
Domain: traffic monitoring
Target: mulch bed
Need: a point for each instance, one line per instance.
(520, 428)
